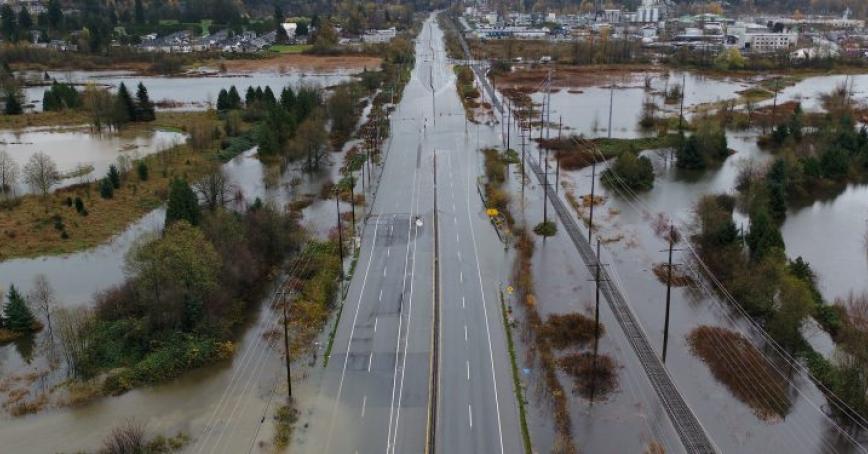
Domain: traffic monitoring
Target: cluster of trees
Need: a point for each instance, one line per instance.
(116, 110)
(707, 146)
(763, 281)
(186, 291)
(61, 96)
(290, 127)
(630, 170)
(831, 155)
(142, 109)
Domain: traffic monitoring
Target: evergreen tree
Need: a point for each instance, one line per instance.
(281, 36)
(79, 205)
(268, 96)
(234, 98)
(55, 14)
(19, 317)
(223, 100)
(250, 97)
(763, 237)
(8, 22)
(142, 170)
(145, 108)
(106, 188)
(114, 176)
(24, 19)
(287, 99)
(125, 109)
(139, 12)
(795, 125)
(689, 155)
(13, 104)
(183, 203)
(259, 94)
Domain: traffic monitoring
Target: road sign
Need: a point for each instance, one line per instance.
(492, 212)
(509, 290)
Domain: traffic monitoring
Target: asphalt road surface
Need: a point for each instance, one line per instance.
(376, 392)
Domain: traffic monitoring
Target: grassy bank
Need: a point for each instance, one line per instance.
(35, 226)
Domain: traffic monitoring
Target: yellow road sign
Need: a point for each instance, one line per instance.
(492, 212)
(509, 290)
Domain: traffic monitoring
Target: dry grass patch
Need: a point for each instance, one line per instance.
(679, 279)
(569, 330)
(35, 227)
(592, 379)
(742, 369)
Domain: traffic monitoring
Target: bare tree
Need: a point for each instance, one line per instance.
(73, 333)
(214, 190)
(8, 174)
(41, 173)
(42, 297)
(128, 438)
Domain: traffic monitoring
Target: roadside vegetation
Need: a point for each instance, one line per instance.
(540, 349)
(465, 82)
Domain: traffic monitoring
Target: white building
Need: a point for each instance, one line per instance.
(379, 36)
(289, 28)
(649, 11)
(768, 42)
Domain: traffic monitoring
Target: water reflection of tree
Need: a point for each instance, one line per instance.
(26, 346)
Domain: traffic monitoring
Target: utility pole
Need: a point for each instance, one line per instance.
(593, 200)
(558, 161)
(286, 343)
(523, 153)
(508, 121)
(683, 95)
(548, 104)
(597, 279)
(611, 106)
(340, 232)
(546, 188)
(353, 200)
(669, 266)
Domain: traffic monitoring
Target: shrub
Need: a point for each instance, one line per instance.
(566, 330)
(142, 171)
(546, 229)
(591, 378)
(106, 188)
(114, 176)
(79, 205)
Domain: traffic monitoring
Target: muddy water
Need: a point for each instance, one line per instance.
(71, 148)
(190, 92)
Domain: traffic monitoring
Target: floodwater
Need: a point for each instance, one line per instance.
(73, 148)
(635, 248)
(809, 91)
(587, 113)
(195, 93)
(832, 235)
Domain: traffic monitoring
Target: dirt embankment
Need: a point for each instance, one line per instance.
(302, 62)
(574, 76)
